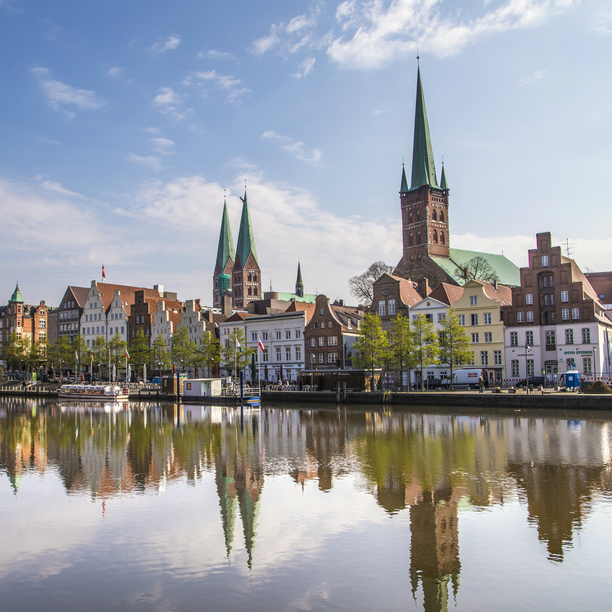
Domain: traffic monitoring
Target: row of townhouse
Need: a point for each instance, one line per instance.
(553, 322)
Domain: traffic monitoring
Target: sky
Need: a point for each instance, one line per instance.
(123, 125)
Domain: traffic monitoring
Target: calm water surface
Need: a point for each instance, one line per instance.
(156, 507)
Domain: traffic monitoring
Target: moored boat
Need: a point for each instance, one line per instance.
(93, 392)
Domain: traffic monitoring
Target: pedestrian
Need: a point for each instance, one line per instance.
(481, 385)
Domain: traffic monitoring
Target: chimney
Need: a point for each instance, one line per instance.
(226, 305)
(159, 289)
(424, 289)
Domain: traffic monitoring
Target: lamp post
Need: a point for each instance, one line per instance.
(527, 347)
(594, 363)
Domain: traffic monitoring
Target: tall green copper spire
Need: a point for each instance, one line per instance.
(443, 183)
(246, 240)
(423, 167)
(226, 251)
(404, 187)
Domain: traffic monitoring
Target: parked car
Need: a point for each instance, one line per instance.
(535, 381)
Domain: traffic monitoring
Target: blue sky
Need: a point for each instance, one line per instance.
(122, 123)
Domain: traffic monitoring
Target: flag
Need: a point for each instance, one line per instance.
(76, 356)
(238, 344)
(103, 273)
(261, 346)
(127, 355)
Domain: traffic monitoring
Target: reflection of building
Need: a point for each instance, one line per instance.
(434, 547)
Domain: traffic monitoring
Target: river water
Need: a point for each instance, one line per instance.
(159, 507)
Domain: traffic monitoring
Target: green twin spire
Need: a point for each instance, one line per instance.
(225, 252)
(246, 240)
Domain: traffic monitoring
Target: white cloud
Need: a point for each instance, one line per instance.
(603, 22)
(214, 54)
(57, 188)
(167, 102)
(221, 81)
(304, 68)
(261, 45)
(172, 42)
(59, 94)
(387, 31)
(295, 148)
(533, 78)
(115, 71)
(162, 145)
(150, 161)
(284, 36)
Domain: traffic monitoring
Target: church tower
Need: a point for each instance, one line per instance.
(424, 204)
(224, 266)
(246, 278)
(299, 285)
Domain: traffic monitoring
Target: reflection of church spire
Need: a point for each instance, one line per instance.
(434, 557)
(248, 488)
(227, 500)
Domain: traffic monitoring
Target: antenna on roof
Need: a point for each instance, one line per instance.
(568, 251)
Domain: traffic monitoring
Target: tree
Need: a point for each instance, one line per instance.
(361, 286)
(182, 347)
(159, 354)
(117, 348)
(235, 354)
(372, 346)
(139, 351)
(37, 354)
(209, 352)
(59, 353)
(400, 339)
(454, 342)
(99, 350)
(80, 353)
(425, 346)
(479, 268)
(16, 351)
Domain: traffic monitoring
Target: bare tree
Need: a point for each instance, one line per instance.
(361, 285)
(480, 269)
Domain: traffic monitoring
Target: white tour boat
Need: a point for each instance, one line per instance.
(93, 392)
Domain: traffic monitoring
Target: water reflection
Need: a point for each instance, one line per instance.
(434, 466)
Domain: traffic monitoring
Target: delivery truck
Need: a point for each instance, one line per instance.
(467, 376)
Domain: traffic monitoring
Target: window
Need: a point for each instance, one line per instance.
(586, 335)
(497, 357)
(547, 281)
(602, 296)
(587, 365)
(322, 341)
(475, 337)
(287, 354)
(513, 338)
(474, 318)
(313, 342)
(253, 337)
(529, 338)
(322, 311)
(565, 314)
(569, 336)
(529, 299)
(279, 356)
(484, 358)
(264, 355)
(298, 353)
(530, 316)
(332, 357)
(520, 317)
(488, 337)
(287, 334)
(461, 319)
(441, 316)
(278, 335)
(551, 339)
(298, 333)
(429, 317)
(530, 367)
(487, 318)
(473, 300)
(321, 357)
(329, 324)
(565, 296)
(391, 305)
(264, 335)
(544, 261)
(332, 341)
(576, 314)
(382, 308)
(515, 367)
(314, 326)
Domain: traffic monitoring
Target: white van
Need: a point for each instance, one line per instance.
(468, 376)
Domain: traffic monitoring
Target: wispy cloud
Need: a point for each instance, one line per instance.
(304, 68)
(115, 71)
(387, 31)
(533, 78)
(214, 54)
(59, 94)
(602, 22)
(293, 147)
(167, 101)
(172, 42)
(57, 188)
(290, 37)
(221, 81)
(150, 161)
(162, 145)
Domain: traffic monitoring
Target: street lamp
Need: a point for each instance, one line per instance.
(527, 347)
(594, 363)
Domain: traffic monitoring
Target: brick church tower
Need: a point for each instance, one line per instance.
(425, 226)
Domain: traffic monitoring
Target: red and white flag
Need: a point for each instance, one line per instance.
(103, 273)
(261, 346)
(127, 355)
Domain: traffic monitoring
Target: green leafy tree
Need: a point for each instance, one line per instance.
(58, 354)
(371, 348)
(234, 357)
(454, 342)
(425, 347)
(400, 339)
(159, 355)
(99, 350)
(37, 355)
(80, 354)
(16, 351)
(117, 348)
(139, 351)
(209, 352)
(182, 347)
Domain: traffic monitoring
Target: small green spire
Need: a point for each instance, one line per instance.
(443, 183)
(246, 240)
(226, 251)
(404, 187)
(423, 167)
(17, 297)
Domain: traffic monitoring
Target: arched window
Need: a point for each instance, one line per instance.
(442, 216)
(412, 258)
(410, 218)
(418, 237)
(250, 277)
(442, 238)
(410, 240)
(254, 278)
(249, 291)
(418, 215)
(435, 237)
(434, 216)
(419, 257)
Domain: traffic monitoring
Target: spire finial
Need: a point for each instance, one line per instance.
(418, 58)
